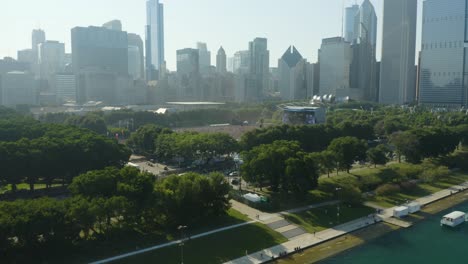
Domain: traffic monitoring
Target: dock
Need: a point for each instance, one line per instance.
(397, 222)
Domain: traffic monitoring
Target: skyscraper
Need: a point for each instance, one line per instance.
(135, 40)
(38, 37)
(444, 61)
(98, 47)
(349, 19)
(221, 64)
(363, 68)
(259, 68)
(188, 71)
(113, 25)
(99, 58)
(335, 60)
(204, 57)
(51, 59)
(397, 75)
(296, 76)
(154, 38)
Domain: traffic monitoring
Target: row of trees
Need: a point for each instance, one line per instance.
(31, 152)
(285, 167)
(111, 200)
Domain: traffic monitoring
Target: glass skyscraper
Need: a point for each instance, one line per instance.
(397, 67)
(154, 38)
(444, 55)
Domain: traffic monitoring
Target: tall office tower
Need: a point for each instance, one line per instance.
(97, 47)
(444, 56)
(363, 68)
(99, 56)
(188, 71)
(113, 25)
(136, 41)
(65, 87)
(296, 77)
(397, 76)
(204, 56)
(134, 62)
(18, 88)
(335, 56)
(51, 59)
(365, 23)
(38, 37)
(241, 62)
(27, 55)
(221, 64)
(154, 38)
(259, 68)
(349, 19)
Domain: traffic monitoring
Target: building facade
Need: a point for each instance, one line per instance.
(18, 88)
(444, 54)
(154, 38)
(204, 56)
(397, 75)
(221, 61)
(259, 68)
(51, 59)
(335, 57)
(295, 76)
(349, 21)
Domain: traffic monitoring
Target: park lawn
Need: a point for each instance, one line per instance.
(422, 190)
(325, 217)
(214, 249)
(25, 186)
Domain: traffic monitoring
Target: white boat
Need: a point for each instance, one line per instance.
(453, 219)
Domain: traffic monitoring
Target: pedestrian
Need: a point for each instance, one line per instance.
(261, 255)
(314, 233)
(246, 253)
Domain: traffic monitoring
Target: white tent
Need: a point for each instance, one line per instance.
(253, 197)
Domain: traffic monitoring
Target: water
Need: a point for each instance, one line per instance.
(425, 242)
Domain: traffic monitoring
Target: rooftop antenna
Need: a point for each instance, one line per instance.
(342, 18)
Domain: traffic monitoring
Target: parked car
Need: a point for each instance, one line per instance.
(235, 182)
(234, 173)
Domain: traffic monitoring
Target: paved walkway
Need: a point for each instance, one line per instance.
(309, 240)
(276, 221)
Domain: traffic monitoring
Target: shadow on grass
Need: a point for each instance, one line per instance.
(216, 248)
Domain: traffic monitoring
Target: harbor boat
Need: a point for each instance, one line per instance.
(453, 219)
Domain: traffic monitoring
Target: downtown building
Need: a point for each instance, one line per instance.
(335, 57)
(295, 76)
(154, 39)
(364, 45)
(397, 67)
(444, 54)
(100, 57)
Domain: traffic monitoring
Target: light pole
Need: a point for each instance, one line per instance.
(338, 205)
(182, 239)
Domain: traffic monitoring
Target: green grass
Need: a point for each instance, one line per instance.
(422, 190)
(25, 186)
(322, 218)
(216, 248)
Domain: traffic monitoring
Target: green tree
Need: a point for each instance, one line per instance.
(406, 144)
(347, 150)
(378, 155)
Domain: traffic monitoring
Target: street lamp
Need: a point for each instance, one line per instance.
(182, 237)
(338, 205)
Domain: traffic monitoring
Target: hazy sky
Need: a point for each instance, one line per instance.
(230, 23)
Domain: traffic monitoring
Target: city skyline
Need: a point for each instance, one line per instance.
(232, 34)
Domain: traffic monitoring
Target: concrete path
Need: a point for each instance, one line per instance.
(276, 221)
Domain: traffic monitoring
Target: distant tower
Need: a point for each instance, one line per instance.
(113, 25)
(38, 37)
(154, 38)
(204, 57)
(397, 74)
(221, 65)
(350, 16)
